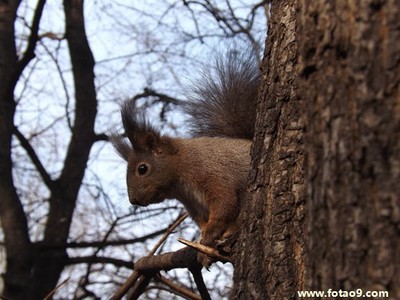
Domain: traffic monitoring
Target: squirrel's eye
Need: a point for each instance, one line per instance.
(142, 169)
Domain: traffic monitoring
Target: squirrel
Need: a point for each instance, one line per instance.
(208, 172)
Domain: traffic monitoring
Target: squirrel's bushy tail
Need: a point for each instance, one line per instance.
(223, 101)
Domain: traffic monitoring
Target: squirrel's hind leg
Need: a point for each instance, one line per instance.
(221, 225)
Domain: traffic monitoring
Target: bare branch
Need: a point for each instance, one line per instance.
(213, 253)
(33, 39)
(115, 243)
(148, 92)
(63, 83)
(34, 158)
(182, 258)
(139, 287)
(135, 275)
(178, 221)
(179, 289)
(50, 295)
(199, 280)
(100, 259)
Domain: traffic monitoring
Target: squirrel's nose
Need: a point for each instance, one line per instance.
(135, 201)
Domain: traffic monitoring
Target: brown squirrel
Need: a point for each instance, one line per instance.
(206, 173)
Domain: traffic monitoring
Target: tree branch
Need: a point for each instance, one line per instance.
(135, 275)
(32, 41)
(179, 289)
(62, 202)
(199, 280)
(183, 258)
(100, 259)
(34, 158)
(114, 243)
(139, 287)
(213, 253)
(148, 92)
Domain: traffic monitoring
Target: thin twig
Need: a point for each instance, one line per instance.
(53, 291)
(178, 288)
(135, 274)
(213, 253)
(34, 158)
(140, 286)
(168, 232)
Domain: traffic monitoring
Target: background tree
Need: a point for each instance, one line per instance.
(325, 210)
(64, 70)
(353, 142)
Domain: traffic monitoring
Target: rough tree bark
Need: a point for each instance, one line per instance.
(271, 261)
(33, 269)
(325, 212)
(350, 61)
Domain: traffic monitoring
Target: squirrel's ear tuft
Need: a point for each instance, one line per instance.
(120, 144)
(143, 136)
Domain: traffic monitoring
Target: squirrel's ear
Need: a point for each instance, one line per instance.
(144, 140)
(143, 136)
(121, 145)
(152, 141)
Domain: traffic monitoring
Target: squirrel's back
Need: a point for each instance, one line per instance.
(223, 102)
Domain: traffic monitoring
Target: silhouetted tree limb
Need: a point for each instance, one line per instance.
(13, 219)
(177, 288)
(29, 53)
(114, 243)
(99, 259)
(49, 263)
(35, 159)
(160, 97)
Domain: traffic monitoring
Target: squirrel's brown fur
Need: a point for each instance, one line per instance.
(207, 173)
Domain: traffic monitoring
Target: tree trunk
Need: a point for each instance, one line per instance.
(272, 261)
(325, 212)
(12, 216)
(350, 61)
(51, 259)
(33, 269)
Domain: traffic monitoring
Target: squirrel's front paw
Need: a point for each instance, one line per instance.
(205, 260)
(226, 243)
